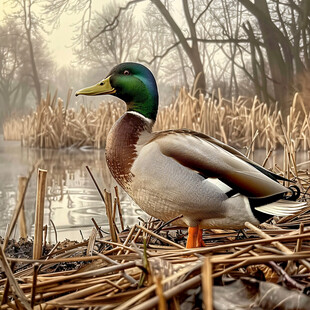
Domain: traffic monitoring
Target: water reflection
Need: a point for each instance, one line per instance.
(72, 199)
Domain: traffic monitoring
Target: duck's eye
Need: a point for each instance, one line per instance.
(126, 72)
(101, 83)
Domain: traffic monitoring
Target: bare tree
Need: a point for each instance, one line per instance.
(157, 38)
(28, 18)
(187, 35)
(12, 87)
(264, 44)
(16, 78)
(191, 50)
(112, 47)
(184, 41)
(284, 29)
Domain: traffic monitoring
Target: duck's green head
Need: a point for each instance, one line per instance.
(131, 82)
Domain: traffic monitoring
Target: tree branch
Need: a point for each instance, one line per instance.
(218, 41)
(203, 11)
(190, 23)
(175, 28)
(287, 47)
(113, 24)
(162, 55)
(215, 41)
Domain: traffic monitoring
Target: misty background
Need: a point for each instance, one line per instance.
(244, 48)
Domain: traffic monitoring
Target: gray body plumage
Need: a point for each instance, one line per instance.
(179, 173)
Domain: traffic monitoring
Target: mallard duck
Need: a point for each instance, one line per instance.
(183, 172)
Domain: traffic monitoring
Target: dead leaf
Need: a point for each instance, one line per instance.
(249, 293)
(268, 273)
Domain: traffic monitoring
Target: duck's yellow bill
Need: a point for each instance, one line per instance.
(102, 88)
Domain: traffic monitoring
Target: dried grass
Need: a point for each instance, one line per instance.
(148, 266)
(241, 122)
(143, 268)
(53, 125)
(111, 279)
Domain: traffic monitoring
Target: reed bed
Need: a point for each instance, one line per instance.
(54, 125)
(241, 122)
(12, 128)
(149, 268)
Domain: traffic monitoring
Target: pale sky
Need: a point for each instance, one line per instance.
(3, 9)
(60, 40)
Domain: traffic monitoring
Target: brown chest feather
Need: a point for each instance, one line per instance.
(121, 147)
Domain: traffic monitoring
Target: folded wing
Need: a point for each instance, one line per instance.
(213, 159)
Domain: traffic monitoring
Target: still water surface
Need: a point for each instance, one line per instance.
(72, 199)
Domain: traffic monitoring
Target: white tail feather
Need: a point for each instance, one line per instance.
(282, 207)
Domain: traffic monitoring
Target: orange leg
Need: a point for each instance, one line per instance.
(194, 239)
(199, 238)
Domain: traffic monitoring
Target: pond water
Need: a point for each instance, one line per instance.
(71, 199)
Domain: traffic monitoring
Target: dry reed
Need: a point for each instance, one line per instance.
(39, 215)
(157, 260)
(148, 266)
(241, 122)
(53, 125)
(22, 181)
(111, 279)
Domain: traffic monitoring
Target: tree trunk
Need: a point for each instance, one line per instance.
(278, 53)
(258, 66)
(281, 78)
(191, 51)
(35, 75)
(28, 27)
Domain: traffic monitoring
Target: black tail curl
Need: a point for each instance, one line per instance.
(295, 193)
